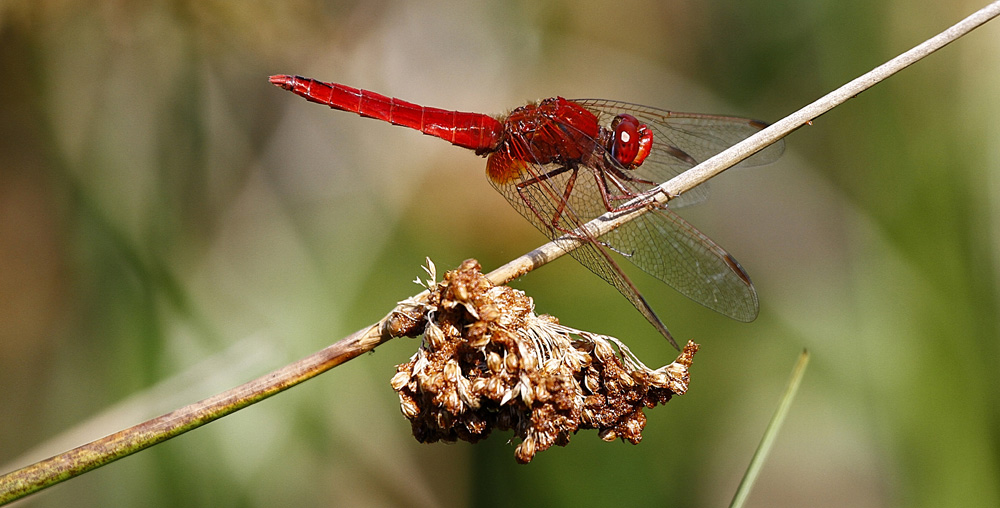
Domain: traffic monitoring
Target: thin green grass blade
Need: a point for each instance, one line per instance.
(764, 448)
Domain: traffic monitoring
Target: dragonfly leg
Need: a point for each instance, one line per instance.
(543, 177)
(544, 181)
(565, 197)
(624, 182)
(617, 179)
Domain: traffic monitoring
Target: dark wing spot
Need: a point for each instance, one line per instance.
(738, 269)
(680, 154)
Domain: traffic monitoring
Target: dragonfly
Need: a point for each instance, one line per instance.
(563, 162)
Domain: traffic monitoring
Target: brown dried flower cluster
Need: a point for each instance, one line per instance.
(488, 362)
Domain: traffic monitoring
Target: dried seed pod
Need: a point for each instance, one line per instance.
(401, 379)
(551, 365)
(510, 394)
(432, 383)
(452, 371)
(476, 335)
(420, 363)
(489, 313)
(465, 392)
(607, 434)
(526, 450)
(510, 362)
(573, 361)
(541, 393)
(495, 388)
(527, 393)
(605, 353)
(634, 426)
(494, 362)
(405, 322)
(409, 407)
(460, 293)
(434, 336)
(529, 363)
(452, 402)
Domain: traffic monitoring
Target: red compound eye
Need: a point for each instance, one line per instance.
(632, 141)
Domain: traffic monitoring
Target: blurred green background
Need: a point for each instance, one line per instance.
(172, 225)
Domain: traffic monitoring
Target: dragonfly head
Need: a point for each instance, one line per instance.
(631, 142)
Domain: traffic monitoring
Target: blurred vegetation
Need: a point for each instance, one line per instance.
(172, 225)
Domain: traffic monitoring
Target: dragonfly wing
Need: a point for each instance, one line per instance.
(543, 200)
(597, 259)
(667, 247)
(683, 140)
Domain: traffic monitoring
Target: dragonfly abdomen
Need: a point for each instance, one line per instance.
(475, 131)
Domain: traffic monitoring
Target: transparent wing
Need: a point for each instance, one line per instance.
(683, 140)
(659, 242)
(667, 247)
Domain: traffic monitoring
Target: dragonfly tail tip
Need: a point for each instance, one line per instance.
(281, 80)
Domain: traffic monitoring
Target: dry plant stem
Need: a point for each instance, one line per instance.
(79, 460)
(733, 155)
(48, 472)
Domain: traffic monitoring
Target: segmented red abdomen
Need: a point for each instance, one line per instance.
(553, 131)
(475, 131)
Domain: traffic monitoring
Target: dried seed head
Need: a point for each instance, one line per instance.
(488, 362)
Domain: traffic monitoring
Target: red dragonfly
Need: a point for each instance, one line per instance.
(561, 163)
